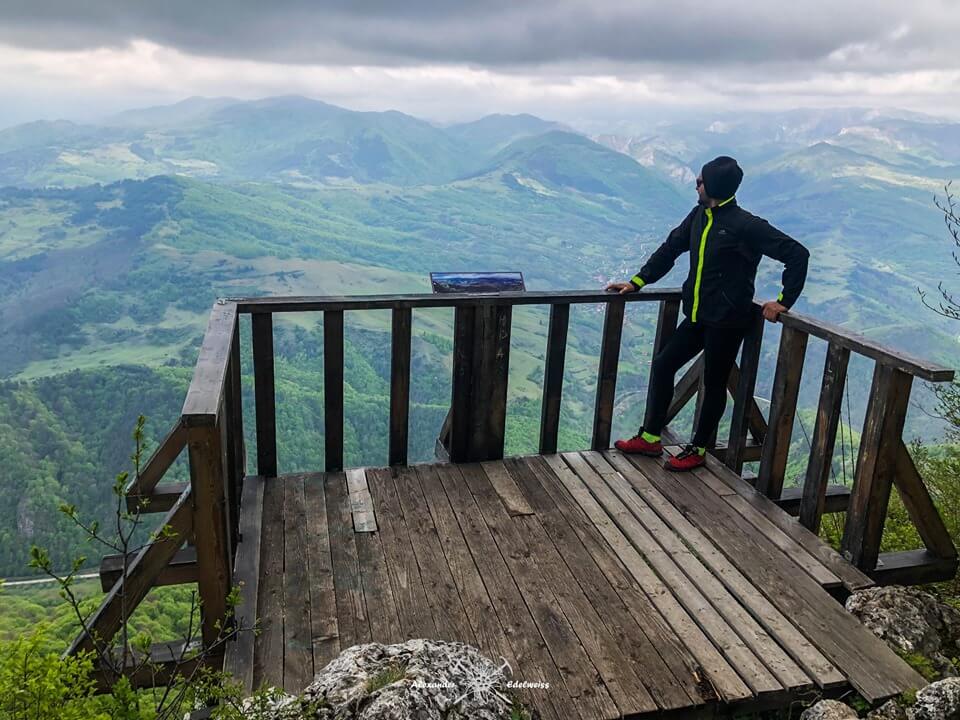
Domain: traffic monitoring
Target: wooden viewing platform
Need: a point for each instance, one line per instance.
(631, 590)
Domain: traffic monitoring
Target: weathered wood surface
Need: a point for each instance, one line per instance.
(400, 385)
(553, 376)
(264, 394)
(876, 466)
(333, 389)
(607, 374)
(202, 404)
(361, 504)
(820, 464)
(456, 300)
(632, 591)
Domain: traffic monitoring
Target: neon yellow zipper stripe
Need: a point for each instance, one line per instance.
(703, 245)
(696, 285)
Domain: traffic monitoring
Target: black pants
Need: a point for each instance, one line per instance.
(720, 346)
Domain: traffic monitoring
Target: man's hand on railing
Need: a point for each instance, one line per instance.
(772, 310)
(621, 288)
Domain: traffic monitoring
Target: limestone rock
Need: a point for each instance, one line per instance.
(414, 680)
(829, 710)
(890, 710)
(938, 701)
(911, 620)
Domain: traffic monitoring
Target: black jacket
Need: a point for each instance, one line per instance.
(725, 244)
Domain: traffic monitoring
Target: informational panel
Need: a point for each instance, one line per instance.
(477, 282)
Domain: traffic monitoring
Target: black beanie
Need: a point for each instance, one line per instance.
(721, 177)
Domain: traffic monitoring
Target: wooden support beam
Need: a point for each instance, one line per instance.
(876, 465)
(160, 500)
(919, 505)
(142, 574)
(666, 326)
(912, 567)
(685, 389)
(400, 385)
(607, 374)
(264, 394)
(160, 461)
(756, 422)
(743, 397)
(333, 389)
(182, 570)
(553, 377)
(783, 408)
(167, 662)
(836, 499)
(211, 530)
(820, 463)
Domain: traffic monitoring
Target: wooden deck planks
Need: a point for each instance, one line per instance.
(580, 676)
(413, 610)
(324, 631)
(625, 687)
(490, 634)
(353, 625)
(442, 594)
(746, 663)
(530, 648)
(794, 643)
(726, 601)
(642, 655)
(852, 578)
(871, 667)
(268, 646)
(723, 679)
(297, 640)
(629, 589)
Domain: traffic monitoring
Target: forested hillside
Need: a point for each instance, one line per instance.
(116, 239)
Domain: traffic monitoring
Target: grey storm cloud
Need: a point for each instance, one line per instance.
(846, 34)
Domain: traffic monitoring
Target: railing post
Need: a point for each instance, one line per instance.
(743, 398)
(824, 437)
(210, 527)
(264, 394)
(783, 409)
(553, 377)
(333, 389)
(876, 465)
(400, 385)
(607, 374)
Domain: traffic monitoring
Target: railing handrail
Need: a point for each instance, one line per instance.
(274, 304)
(850, 339)
(862, 345)
(203, 401)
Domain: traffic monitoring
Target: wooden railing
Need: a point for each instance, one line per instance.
(204, 514)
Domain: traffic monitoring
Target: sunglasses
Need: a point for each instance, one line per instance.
(699, 182)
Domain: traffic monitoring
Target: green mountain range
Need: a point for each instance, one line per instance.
(115, 240)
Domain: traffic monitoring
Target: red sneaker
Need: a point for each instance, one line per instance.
(637, 445)
(688, 459)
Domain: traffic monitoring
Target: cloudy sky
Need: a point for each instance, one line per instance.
(582, 61)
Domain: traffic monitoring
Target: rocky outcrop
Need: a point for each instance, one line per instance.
(937, 701)
(829, 710)
(414, 680)
(912, 622)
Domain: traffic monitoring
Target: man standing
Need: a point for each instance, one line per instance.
(726, 243)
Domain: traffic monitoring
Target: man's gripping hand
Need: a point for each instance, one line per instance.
(621, 287)
(772, 310)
